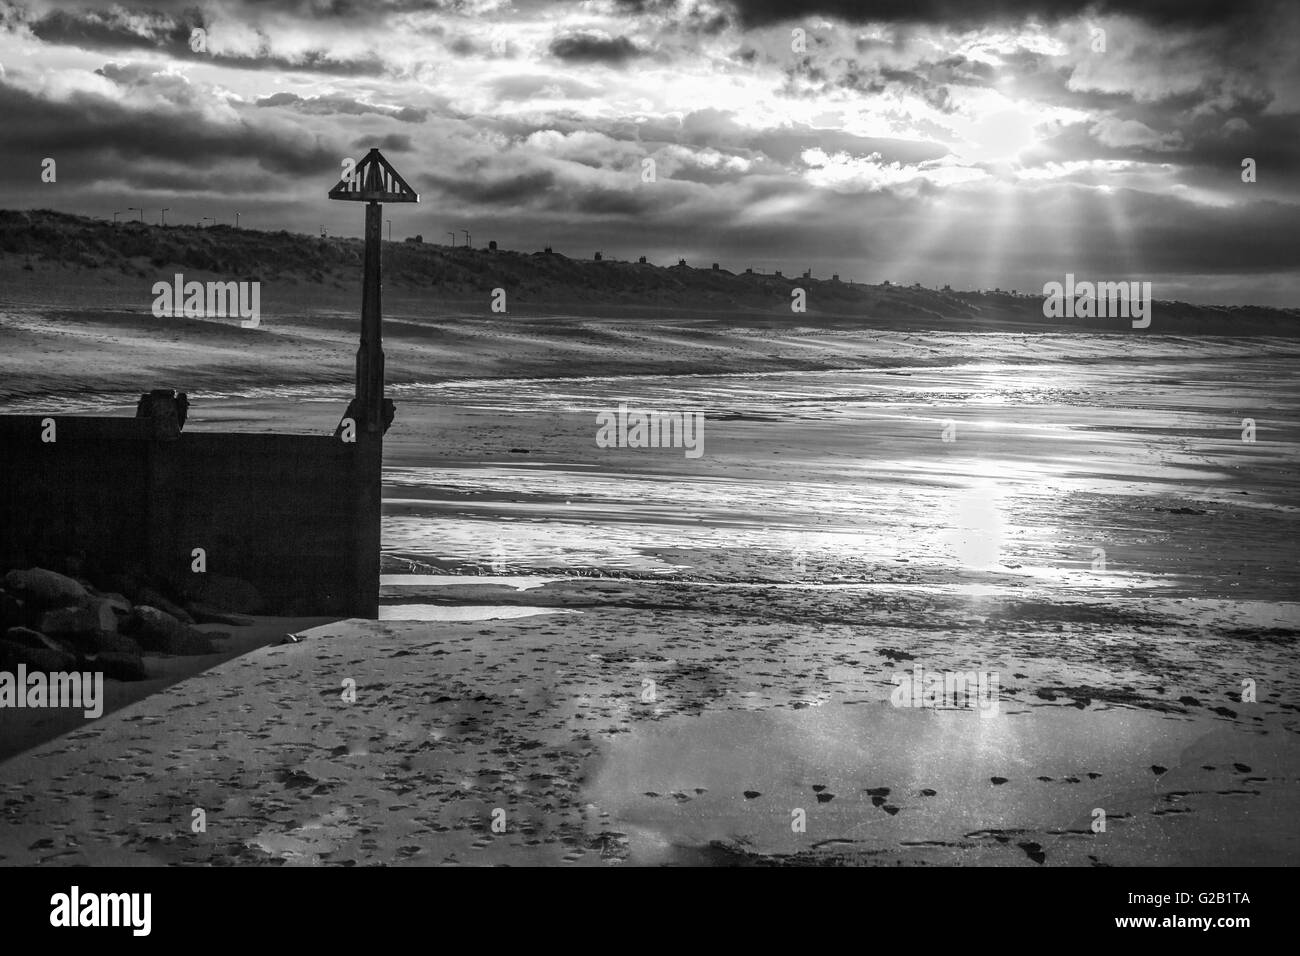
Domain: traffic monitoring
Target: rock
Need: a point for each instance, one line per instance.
(119, 603)
(204, 614)
(158, 631)
(109, 642)
(223, 593)
(106, 613)
(13, 612)
(73, 620)
(45, 588)
(118, 666)
(152, 598)
(128, 584)
(43, 659)
(34, 639)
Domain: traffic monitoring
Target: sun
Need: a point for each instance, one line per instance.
(998, 137)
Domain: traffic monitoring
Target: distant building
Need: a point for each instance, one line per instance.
(492, 246)
(749, 272)
(681, 262)
(778, 274)
(598, 257)
(415, 238)
(715, 267)
(547, 250)
(835, 277)
(641, 260)
(807, 274)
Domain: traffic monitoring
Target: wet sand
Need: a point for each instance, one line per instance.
(828, 538)
(545, 719)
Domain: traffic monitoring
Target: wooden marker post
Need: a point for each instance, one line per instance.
(374, 182)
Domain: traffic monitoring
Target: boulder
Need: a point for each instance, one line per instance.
(34, 639)
(223, 593)
(153, 598)
(157, 630)
(45, 588)
(110, 642)
(118, 666)
(75, 620)
(128, 584)
(118, 602)
(43, 659)
(13, 613)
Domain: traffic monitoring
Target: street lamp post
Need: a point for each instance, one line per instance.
(390, 229)
(115, 215)
(163, 220)
(453, 239)
(466, 231)
(136, 209)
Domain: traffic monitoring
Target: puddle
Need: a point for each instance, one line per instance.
(700, 769)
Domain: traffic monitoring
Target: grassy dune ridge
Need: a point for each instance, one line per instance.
(291, 266)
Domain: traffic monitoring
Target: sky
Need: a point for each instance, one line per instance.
(982, 144)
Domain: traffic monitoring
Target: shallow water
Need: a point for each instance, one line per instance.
(863, 780)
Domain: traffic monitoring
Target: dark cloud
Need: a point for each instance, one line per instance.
(592, 48)
(512, 190)
(94, 138)
(119, 29)
(112, 30)
(393, 143)
(956, 12)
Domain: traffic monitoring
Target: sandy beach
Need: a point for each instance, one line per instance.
(1097, 533)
